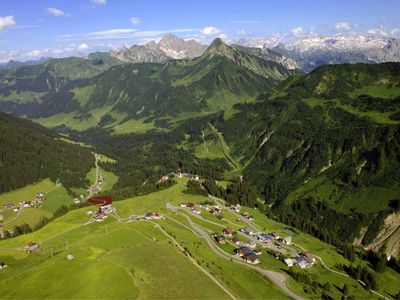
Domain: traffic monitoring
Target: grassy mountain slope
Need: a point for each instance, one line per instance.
(327, 137)
(158, 94)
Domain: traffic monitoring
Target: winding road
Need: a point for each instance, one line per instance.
(276, 277)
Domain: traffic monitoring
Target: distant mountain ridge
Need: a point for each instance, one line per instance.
(311, 52)
(169, 47)
(221, 77)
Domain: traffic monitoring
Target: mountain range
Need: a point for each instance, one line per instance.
(311, 52)
(323, 143)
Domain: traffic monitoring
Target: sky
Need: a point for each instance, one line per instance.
(30, 29)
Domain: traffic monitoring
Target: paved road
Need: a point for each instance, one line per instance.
(276, 277)
(253, 226)
(95, 184)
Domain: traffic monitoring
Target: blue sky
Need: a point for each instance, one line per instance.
(30, 29)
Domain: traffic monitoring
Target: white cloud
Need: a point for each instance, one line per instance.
(83, 47)
(211, 30)
(342, 26)
(120, 34)
(223, 36)
(56, 12)
(7, 21)
(298, 31)
(99, 2)
(135, 21)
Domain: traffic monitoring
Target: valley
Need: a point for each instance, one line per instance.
(201, 167)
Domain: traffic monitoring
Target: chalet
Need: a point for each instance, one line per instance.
(302, 263)
(245, 214)
(250, 218)
(263, 237)
(77, 201)
(236, 207)
(2, 265)
(196, 210)
(275, 235)
(309, 257)
(196, 177)
(236, 241)
(25, 203)
(220, 239)
(246, 230)
(251, 244)
(228, 231)
(9, 205)
(190, 205)
(242, 251)
(153, 216)
(31, 247)
(164, 178)
(287, 240)
(251, 258)
(289, 262)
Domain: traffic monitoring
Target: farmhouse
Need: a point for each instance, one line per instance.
(287, 240)
(242, 251)
(164, 178)
(246, 230)
(236, 207)
(196, 210)
(228, 231)
(309, 257)
(153, 216)
(289, 262)
(26, 203)
(31, 247)
(8, 205)
(251, 258)
(220, 239)
(2, 265)
(275, 235)
(263, 237)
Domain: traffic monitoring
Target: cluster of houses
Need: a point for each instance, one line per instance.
(247, 251)
(303, 260)
(193, 207)
(245, 214)
(180, 175)
(37, 202)
(153, 216)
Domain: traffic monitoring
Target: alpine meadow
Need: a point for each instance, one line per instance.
(229, 150)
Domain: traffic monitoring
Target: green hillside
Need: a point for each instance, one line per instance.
(100, 92)
(30, 153)
(135, 256)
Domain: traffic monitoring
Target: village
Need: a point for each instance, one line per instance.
(256, 242)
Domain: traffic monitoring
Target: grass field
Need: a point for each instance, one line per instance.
(55, 196)
(138, 261)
